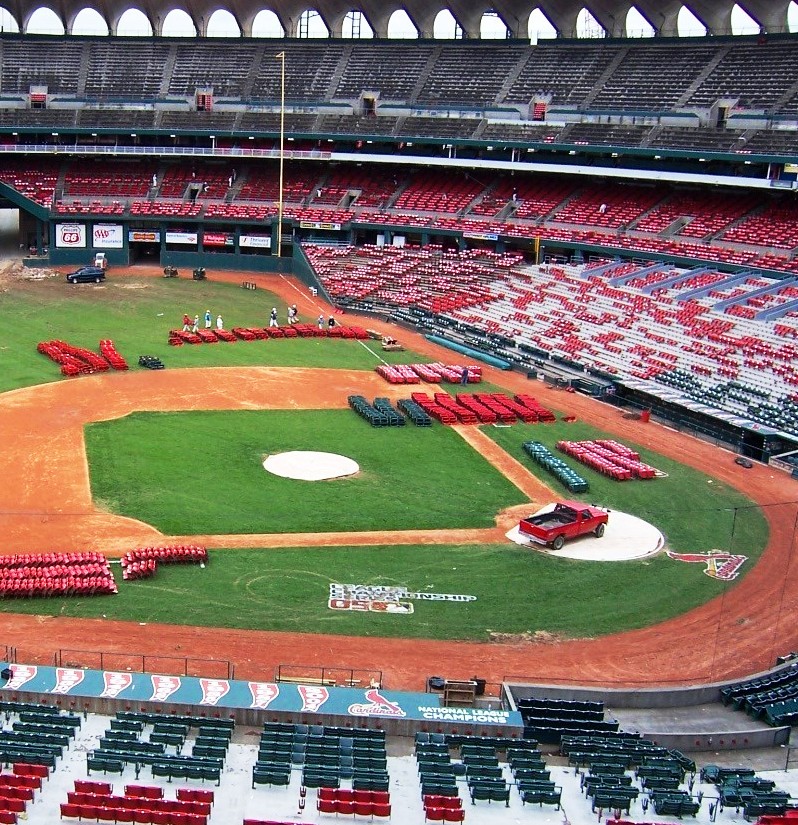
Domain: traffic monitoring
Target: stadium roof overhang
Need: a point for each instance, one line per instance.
(771, 15)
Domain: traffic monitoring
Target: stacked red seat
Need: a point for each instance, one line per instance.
(55, 574)
(207, 336)
(483, 413)
(111, 355)
(73, 360)
(244, 334)
(185, 337)
(433, 409)
(463, 414)
(143, 561)
(543, 413)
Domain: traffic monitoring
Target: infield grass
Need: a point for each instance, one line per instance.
(190, 473)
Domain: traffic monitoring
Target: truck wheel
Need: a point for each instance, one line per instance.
(600, 530)
(558, 543)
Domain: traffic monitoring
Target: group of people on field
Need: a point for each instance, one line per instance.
(193, 326)
(190, 325)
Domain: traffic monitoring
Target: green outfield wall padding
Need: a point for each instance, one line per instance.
(470, 351)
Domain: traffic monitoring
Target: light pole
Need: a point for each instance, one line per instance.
(281, 58)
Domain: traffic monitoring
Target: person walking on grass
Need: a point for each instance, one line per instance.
(207, 319)
(195, 328)
(186, 322)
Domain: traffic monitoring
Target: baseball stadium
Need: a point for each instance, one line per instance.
(399, 412)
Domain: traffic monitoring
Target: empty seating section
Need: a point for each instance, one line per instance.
(452, 80)
(438, 192)
(120, 179)
(215, 66)
(163, 743)
(612, 320)
(134, 72)
(325, 756)
(139, 803)
(743, 790)
(54, 63)
(309, 71)
(699, 213)
(599, 205)
(36, 182)
(777, 222)
(209, 182)
(448, 764)
(363, 126)
(549, 720)
(606, 134)
(562, 74)
(745, 79)
(366, 187)
(772, 698)
(390, 72)
(653, 79)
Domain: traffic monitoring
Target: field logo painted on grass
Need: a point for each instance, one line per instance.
(377, 705)
(384, 598)
(312, 697)
(719, 564)
(19, 675)
(115, 683)
(213, 690)
(164, 686)
(66, 678)
(263, 694)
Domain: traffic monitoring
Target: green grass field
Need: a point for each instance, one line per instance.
(518, 591)
(189, 473)
(410, 478)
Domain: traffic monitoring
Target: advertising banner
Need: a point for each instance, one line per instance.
(70, 235)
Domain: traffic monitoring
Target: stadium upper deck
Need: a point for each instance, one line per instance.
(554, 92)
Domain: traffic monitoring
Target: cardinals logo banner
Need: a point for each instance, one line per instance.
(376, 705)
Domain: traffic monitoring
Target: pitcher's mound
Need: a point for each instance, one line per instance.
(306, 465)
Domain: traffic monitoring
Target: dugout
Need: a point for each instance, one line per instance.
(746, 437)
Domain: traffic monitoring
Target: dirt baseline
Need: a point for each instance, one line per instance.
(48, 504)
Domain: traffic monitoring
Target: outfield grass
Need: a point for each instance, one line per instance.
(189, 473)
(137, 313)
(518, 591)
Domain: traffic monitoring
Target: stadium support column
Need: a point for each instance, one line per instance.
(281, 58)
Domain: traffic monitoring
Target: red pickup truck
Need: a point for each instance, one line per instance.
(566, 521)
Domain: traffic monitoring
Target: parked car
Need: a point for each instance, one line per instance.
(566, 521)
(86, 274)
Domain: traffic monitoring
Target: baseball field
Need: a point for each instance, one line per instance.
(119, 460)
